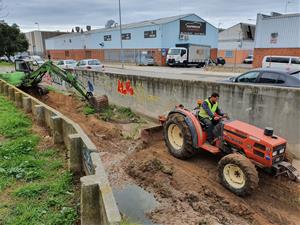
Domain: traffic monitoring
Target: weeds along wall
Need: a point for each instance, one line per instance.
(262, 106)
(98, 205)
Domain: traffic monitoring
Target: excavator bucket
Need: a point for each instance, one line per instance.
(152, 134)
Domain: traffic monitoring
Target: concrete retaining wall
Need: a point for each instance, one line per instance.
(98, 205)
(258, 105)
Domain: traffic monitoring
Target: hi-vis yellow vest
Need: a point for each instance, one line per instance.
(213, 109)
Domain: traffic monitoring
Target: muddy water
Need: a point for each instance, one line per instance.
(135, 202)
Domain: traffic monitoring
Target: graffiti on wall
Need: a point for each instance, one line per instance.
(47, 79)
(125, 88)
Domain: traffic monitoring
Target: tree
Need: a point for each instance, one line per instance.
(12, 40)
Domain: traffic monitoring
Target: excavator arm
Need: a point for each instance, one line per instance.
(33, 78)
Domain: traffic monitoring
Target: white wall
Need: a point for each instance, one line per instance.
(287, 27)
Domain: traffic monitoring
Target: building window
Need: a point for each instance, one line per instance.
(150, 34)
(107, 37)
(126, 36)
(228, 54)
(70, 40)
(67, 53)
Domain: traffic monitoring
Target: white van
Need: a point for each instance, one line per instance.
(282, 62)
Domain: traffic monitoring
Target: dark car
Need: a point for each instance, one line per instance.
(221, 61)
(266, 76)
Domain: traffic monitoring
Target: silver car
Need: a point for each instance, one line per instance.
(67, 64)
(90, 64)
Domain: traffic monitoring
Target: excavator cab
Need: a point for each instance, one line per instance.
(23, 66)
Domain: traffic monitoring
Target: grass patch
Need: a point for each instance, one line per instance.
(34, 186)
(2, 63)
(14, 78)
(121, 114)
(88, 110)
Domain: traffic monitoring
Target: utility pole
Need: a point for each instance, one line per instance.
(38, 25)
(121, 41)
(286, 5)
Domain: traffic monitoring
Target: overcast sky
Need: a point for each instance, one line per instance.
(65, 14)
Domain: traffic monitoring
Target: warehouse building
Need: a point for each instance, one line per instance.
(153, 37)
(36, 40)
(276, 34)
(236, 42)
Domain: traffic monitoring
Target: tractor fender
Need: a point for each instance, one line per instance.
(193, 124)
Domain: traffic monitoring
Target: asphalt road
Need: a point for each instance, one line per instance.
(191, 73)
(170, 72)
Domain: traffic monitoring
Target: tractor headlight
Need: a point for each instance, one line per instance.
(281, 151)
(275, 153)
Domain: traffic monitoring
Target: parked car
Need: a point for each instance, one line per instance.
(37, 60)
(67, 64)
(282, 62)
(145, 60)
(220, 61)
(267, 76)
(4, 58)
(248, 60)
(90, 64)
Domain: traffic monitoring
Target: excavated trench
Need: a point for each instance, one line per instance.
(172, 191)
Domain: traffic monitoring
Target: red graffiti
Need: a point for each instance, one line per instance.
(125, 88)
(47, 78)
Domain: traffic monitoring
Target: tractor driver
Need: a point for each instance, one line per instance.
(210, 114)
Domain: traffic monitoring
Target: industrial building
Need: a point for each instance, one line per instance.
(36, 40)
(276, 34)
(153, 37)
(236, 42)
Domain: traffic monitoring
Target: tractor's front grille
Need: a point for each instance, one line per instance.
(277, 159)
(279, 147)
(279, 156)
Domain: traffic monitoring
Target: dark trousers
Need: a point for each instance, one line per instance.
(209, 130)
(210, 124)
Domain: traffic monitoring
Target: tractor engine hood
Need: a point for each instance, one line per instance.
(245, 130)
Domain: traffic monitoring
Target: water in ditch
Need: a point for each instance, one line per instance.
(135, 202)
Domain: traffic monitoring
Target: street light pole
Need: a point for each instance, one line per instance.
(37, 25)
(286, 5)
(121, 41)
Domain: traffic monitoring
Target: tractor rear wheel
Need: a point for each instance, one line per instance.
(238, 174)
(178, 137)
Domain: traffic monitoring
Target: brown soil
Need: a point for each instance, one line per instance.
(189, 191)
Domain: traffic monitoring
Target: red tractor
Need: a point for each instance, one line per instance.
(244, 147)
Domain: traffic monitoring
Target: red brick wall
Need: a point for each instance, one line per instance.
(78, 54)
(214, 53)
(260, 53)
(238, 56)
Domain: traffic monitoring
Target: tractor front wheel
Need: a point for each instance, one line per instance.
(238, 174)
(178, 137)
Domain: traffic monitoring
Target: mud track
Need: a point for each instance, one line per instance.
(188, 191)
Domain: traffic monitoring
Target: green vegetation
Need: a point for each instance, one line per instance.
(126, 221)
(87, 110)
(120, 114)
(6, 64)
(13, 78)
(12, 40)
(35, 188)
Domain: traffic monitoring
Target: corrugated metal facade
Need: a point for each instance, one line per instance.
(280, 31)
(167, 35)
